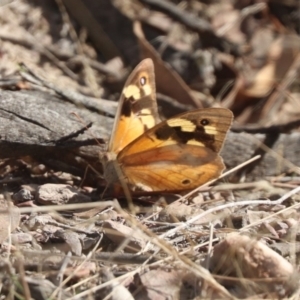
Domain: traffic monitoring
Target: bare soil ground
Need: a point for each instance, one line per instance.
(63, 64)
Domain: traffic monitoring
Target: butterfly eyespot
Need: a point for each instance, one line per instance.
(186, 182)
(143, 80)
(204, 122)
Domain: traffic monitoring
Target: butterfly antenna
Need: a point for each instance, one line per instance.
(104, 191)
(86, 126)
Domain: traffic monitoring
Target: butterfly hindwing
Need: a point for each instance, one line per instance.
(194, 166)
(178, 154)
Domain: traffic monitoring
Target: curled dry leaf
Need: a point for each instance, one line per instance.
(168, 283)
(86, 269)
(167, 80)
(22, 195)
(159, 284)
(117, 291)
(245, 258)
(72, 241)
(40, 288)
(177, 211)
(38, 222)
(21, 238)
(56, 194)
(281, 56)
(133, 240)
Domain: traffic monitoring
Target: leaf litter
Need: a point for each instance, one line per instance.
(234, 240)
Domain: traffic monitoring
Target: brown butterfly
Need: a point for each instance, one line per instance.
(177, 154)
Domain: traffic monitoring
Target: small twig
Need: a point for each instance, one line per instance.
(63, 267)
(197, 24)
(278, 157)
(189, 20)
(230, 205)
(210, 244)
(60, 286)
(112, 257)
(93, 104)
(101, 39)
(281, 88)
(245, 12)
(272, 215)
(73, 134)
(31, 42)
(280, 128)
(103, 205)
(22, 276)
(89, 75)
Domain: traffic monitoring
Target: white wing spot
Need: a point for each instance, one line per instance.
(143, 80)
(185, 125)
(210, 130)
(195, 143)
(147, 89)
(132, 91)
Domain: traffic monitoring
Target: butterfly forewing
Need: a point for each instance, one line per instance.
(137, 110)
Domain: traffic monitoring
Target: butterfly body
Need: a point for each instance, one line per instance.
(177, 154)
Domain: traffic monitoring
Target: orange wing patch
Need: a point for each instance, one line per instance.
(137, 109)
(172, 168)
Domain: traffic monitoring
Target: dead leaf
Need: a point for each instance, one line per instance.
(72, 241)
(21, 238)
(86, 269)
(133, 240)
(177, 211)
(38, 222)
(41, 288)
(117, 291)
(167, 80)
(282, 54)
(159, 285)
(57, 194)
